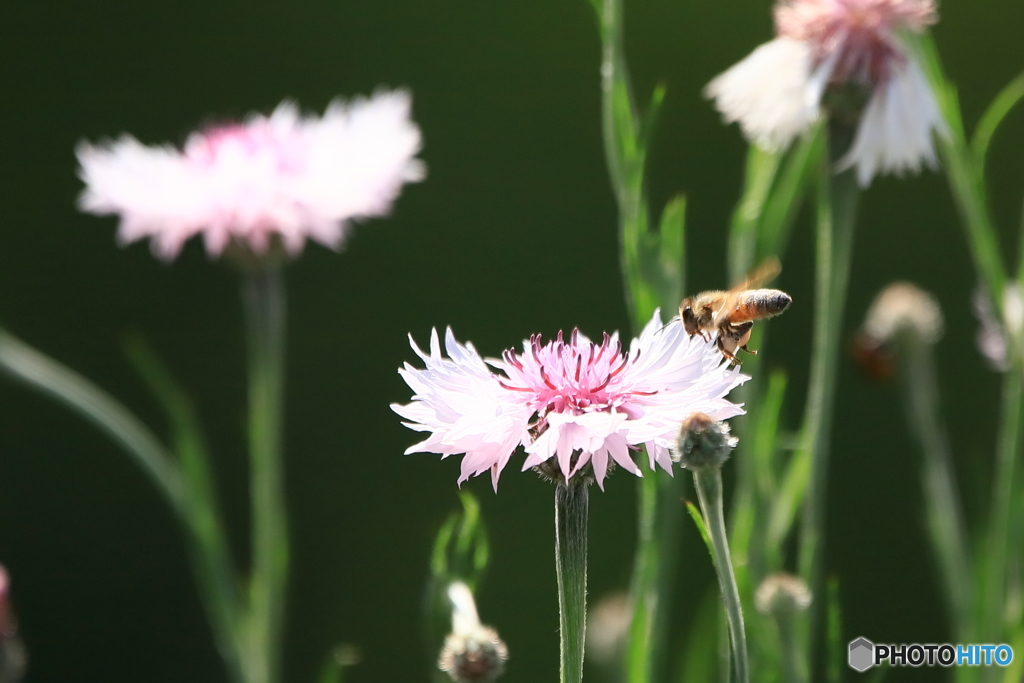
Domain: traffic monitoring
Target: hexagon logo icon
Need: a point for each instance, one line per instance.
(862, 654)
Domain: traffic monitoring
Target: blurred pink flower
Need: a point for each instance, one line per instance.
(288, 175)
(776, 92)
(569, 399)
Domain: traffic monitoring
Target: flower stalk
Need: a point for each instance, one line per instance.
(1000, 552)
(944, 515)
(658, 525)
(964, 161)
(836, 217)
(571, 508)
(264, 302)
(708, 482)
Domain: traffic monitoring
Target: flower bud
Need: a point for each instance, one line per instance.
(703, 442)
(782, 594)
(472, 653)
(903, 308)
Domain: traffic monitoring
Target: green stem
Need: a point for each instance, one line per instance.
(837, 205)
(571, 505)
(658, 525)
(944, 515)
(793, 665)
(1000, 524)
(708, 482)
(264, 303)
(965, 176)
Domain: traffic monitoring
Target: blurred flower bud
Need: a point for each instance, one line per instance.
(607, 628)
(12, 652)
(993, 338)
(899, 309)
(903, 307)
(704, 442)
(782, 594)
(472, 653)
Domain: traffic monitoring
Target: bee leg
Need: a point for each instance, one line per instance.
(741, 333)
(729, 355)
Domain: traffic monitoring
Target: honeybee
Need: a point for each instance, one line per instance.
(732, 313)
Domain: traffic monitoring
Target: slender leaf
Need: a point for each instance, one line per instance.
(211, 554)
(702, 529)
(762, 166)
(47, 375)
(439, 558)
(783, 203)
(993, 116)
(671, 264)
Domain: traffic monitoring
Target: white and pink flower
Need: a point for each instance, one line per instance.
(570, 401)
(775, 94)
(285, 175)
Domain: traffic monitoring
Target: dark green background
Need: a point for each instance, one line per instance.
(513, 232)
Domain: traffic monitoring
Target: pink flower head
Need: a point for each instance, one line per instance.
(775, 94)
(859, 35)
(285, 175)
(570, 401)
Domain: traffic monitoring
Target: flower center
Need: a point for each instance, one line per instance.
(246, 144)
(574, 377)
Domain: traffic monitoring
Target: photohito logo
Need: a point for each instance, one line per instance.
(864, 654)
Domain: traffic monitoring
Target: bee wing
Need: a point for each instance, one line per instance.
(759, 276)
(728, 303)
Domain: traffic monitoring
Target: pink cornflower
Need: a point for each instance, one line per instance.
(776, 92)
(570, 401)
(283, 176)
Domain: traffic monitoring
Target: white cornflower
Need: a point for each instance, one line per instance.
(776, 92)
